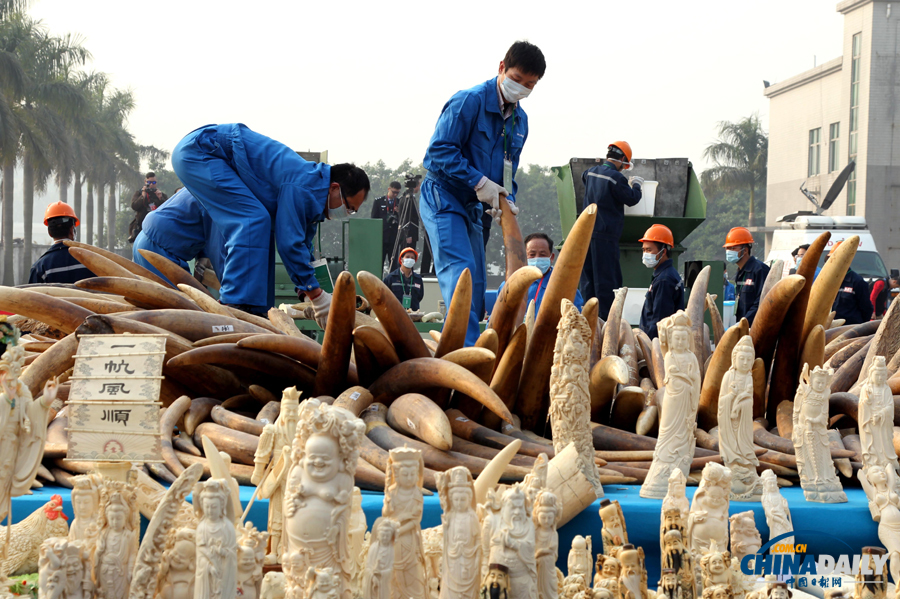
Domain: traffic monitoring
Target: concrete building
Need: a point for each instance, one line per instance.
(845, 109)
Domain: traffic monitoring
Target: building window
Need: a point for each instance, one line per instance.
(854, 121)
(815, 137)
(834, 147)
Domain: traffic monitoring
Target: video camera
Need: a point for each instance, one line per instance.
(412, 181)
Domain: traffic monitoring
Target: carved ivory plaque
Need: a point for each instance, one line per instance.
(114, 402)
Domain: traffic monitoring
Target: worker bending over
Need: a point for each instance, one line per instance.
(852, 302)
(666, 293)
(751, 273)
(260, 193)
(471, 161)
(611, 191)
(406, 284)
(56, 265)
(180, 230)
(539, 250)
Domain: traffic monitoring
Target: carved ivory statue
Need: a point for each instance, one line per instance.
(633, 575)
(64, 570)
(403, 502)
(678, 412)
(251, 558)
(581, 558)
(778, 514)
(876, 418)
(513, 544)
(116, 549)
(735, 418)
(708, 518)
(23, 426)
(318, 490)
(461, 563)
(216, 541)
(274, 439)
(873, 585)
(379, 568)
(715, 566)
(273, 586)
(879, 483)
(745, 538)
(607, 576)
(810, 436)
(496, 584)
(178, 566)
(322, 583)
(86, 506)
(676, 497)
(670, 586)
(536, 480)
(613, 532)
(489, 514)
(570, 397)
(546, 513)
(675, 555)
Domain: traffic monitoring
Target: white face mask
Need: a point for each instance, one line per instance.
(650, 260)
(340, 212)
(513, 91)
(409, 262)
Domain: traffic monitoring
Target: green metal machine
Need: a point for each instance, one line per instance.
(680, 205)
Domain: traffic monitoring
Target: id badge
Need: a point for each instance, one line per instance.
(407, 302)
(507, 175)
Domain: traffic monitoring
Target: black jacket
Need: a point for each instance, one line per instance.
(609, 189)
(383, 208)
(412, 286)
(663, 299)
(56, 265)
(748, 286)
(852, 302)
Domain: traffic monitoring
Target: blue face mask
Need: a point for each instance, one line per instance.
(732, 256)
(799, 260)
(542, 263)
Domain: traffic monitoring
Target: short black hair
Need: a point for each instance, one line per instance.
(543, 236)
(150, 174)
(662, 246)
(527, 57)
(804, 247)
(351, 178)
(615, 152)
(395, 185)
(60, 227)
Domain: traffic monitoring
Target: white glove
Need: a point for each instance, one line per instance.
(321, 308)
(490, 193)
(637, 180)
(497, 214)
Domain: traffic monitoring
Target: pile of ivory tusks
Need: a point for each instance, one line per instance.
(225, 370)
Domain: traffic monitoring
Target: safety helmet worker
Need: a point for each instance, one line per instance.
(57, 209)
(407, 251)
(835, 246)
(623, 147)
(738, 236)
(659, 234)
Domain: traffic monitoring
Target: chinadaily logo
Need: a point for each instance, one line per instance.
(791, 561)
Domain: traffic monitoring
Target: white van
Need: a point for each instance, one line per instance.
(803, 228)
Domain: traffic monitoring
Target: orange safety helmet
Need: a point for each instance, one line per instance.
(622, 146)
(835, 246)
(407, 250)
(57, 209)
(738, 236)
(659, 234)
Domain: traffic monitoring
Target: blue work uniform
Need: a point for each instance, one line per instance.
(259, 193)
(180, 230)
(748, 287)
(470, 141)
(729, 291)
(663, 299)
(411, 286)
(537, 289)
(57, 265)
(852, 302)
(609, 190)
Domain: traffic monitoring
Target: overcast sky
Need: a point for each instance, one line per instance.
(367, 80)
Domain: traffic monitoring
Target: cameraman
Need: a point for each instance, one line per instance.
(144, 201)
(387, 208)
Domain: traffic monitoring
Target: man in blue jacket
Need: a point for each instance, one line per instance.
(259, 192)
(471, 162)
(852, 302)
(666, 293)
(611, 191)
(539, 251)
(180, 230)
(57, 265)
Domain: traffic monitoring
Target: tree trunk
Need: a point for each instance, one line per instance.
(9, 171)
(63, 179)
(89, 214)
(27, 210)
(752, 198)
(76, 201)
(111, 218)
(100, 212)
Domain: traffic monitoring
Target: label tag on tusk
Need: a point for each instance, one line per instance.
(223, 328)
(354, 396)
(411, 424)
(462, 419)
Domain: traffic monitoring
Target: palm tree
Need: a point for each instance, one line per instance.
(740, 157)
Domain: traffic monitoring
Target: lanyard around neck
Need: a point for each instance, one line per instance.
(506, 135)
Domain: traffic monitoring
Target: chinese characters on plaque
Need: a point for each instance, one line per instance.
(114, 401)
